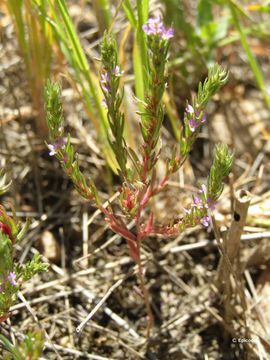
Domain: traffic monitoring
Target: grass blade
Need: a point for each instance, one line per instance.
(72, 49)
(251, 58)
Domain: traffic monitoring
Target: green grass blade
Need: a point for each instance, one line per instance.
(72, 49)
(129, 13)
(204, 15)
(103, 14)
(16, 10)
(251, 58)
(11, 348)
(142, 9)
(140, 57)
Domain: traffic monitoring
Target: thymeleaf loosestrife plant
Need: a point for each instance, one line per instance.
(138, 171)
(12, 275)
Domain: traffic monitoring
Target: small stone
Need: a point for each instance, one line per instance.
(50, 247)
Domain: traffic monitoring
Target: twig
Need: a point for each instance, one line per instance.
(203, 243)
(102, 301)
(77, 353)
(229, 264)
(85, 236)
(22, 298)
(67, 303)
(232, 240)
(104, 205)
(120, 321)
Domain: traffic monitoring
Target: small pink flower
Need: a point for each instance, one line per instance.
(104, 103)
(105, 78)
(60, 144)
(211, 204)
(193, 116)
(193, 124)
(53, 149)
(12, 278)
(105, 82)
(187, 211)
(203, 189)
(205, 221)
(117, 72)
(190, 109)
(156, 27)
(197, 203)
(168, 34)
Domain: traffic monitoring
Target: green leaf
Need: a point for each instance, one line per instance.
(205, 13)
(11, 348)
(127, 7)
(235, 10)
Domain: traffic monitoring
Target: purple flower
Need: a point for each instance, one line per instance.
(197, 203)
(187, 211)
(60, 144)
(105, 82)
(211, 204)
(156, 27)
(203, 189)
(104, 103)
(193, 124)
(190, 109)
(205, 221)
(117, 72)
(107, 102)
(105, 78)
(194, 118)
(53, 149)
(168, 34)
(12, 278)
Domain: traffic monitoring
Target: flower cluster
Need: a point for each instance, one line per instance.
(54, 148)
(199, 208)
(194, 114)
(117, 71)
(113, 96)
(156, 27)
(204, 201)
(107, 84)
(10, 279)
(194, 118)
